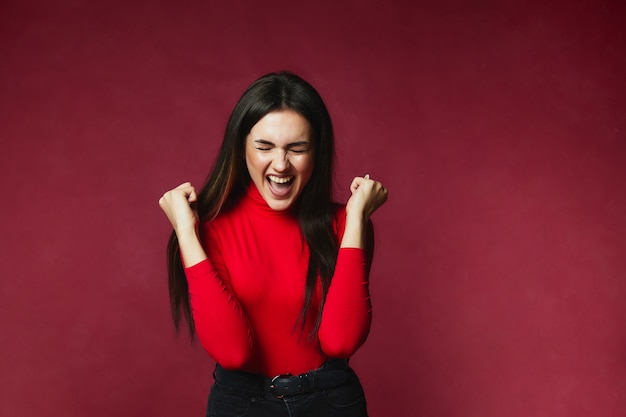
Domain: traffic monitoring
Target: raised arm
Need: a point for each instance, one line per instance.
(347, 315)
(221, 325)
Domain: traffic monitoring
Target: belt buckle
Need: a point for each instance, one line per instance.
(273, 383)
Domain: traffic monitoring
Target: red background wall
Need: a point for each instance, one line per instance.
(498, 127)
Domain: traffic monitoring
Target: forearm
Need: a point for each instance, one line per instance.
(347, 313)
(220, 322)
(221, 325)
(355, 232)
(191, 249)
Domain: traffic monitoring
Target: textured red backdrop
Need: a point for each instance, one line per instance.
(499, 127)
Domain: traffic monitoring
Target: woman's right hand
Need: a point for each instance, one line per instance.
(177, 206)
(179, 209)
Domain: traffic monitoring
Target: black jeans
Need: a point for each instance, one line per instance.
(345, 400)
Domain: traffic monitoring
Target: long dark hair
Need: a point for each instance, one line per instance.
(230, 178)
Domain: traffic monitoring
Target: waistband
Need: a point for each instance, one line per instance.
(333, 373)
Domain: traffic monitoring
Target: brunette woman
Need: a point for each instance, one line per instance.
(267, 271)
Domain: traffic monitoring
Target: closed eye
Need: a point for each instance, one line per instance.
(263, 145)
(299, 147)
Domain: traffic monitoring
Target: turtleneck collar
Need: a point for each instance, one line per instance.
(254, 198)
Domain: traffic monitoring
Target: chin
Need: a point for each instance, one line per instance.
(280, 205)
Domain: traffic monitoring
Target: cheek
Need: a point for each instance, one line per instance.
(254, 164)
(306, 167)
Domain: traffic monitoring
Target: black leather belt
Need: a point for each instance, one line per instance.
(334, 372)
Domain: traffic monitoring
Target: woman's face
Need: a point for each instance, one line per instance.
(280, 157)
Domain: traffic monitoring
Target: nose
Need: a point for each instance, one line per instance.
(281, 161)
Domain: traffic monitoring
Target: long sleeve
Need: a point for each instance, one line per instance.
(247, 297)
(221, 324)
(347, 313)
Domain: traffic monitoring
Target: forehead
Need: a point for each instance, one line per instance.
(282, 126)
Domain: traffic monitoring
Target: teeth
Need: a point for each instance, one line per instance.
(279, 180)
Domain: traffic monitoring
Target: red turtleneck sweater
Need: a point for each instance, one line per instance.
(246, 298)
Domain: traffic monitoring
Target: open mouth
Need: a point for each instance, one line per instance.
(280, 186)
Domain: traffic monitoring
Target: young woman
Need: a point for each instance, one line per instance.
(268, 272)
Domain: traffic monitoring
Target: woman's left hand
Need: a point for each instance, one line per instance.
(367, 196)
